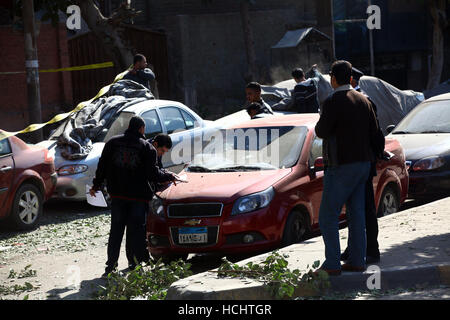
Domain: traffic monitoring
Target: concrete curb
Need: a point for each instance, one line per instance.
(415, 252)
(395, 277)
(389, 278)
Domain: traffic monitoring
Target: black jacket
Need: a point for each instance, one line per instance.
(141, 76)
(347, 126)
(129, 164)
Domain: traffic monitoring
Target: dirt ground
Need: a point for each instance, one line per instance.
(65, 257)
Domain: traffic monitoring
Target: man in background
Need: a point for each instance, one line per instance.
(356, 75)
(140, 73)
(256, 110)
(372, 251)
(304, 98)
(253, 95)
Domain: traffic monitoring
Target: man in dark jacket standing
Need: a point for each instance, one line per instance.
(372, 252)
(129, 164)
(140, 73)
(347, 125)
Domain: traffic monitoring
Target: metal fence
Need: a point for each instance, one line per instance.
(87, 49)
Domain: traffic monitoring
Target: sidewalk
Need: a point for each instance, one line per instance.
(415, 251)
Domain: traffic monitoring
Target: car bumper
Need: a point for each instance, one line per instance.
(225, 234)
(72, 187)
(429, 184)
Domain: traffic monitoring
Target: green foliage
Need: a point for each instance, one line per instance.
(16, 289)
(27, 272)
(279, 279)
(144, 282)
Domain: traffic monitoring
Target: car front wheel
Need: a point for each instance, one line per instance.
(297, 228)
(27, 207)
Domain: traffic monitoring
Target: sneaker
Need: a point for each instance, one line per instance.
(331, 272)
(344, 255)
(350, 268)
(108, 271)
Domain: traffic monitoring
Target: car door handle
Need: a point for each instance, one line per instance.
(4, 169)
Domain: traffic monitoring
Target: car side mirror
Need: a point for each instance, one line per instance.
(390, 128)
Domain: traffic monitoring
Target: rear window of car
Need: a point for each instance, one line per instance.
(5, 147)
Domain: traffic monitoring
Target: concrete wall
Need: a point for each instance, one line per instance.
(213, 54)
(207, 58)
(56, 88)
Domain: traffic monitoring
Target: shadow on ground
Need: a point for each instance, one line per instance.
(87, 291)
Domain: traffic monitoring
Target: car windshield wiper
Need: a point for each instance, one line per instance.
(433, 131)
(241, 168)
(198, 169)
(402, 132)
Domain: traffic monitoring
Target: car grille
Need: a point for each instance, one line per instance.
(213, 233)
(197, 210)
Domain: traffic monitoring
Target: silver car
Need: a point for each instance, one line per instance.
(161, 116)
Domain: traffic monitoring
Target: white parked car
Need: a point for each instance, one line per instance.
(161, 116)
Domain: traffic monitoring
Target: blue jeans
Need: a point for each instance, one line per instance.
(344, 184)
(132, 215)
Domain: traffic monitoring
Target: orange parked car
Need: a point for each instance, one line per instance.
(27, 179)
(247, 198)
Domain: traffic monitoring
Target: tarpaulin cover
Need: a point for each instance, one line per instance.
(392, 103)
(87, 124)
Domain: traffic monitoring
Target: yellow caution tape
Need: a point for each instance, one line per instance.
(85, 67)
(108, 64)
(62, 116)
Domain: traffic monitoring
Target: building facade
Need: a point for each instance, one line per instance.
(206, 47)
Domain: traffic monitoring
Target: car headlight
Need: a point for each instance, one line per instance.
(72, 169)
(429, 163)
(253, 202)
(157, 206)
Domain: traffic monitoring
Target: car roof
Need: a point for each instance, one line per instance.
(304, 119)
(151, 104)
(445, 96)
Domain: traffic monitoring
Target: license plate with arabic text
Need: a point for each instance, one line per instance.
(192, 235)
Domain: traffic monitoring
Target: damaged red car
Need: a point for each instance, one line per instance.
(27, 180)
(254, 187)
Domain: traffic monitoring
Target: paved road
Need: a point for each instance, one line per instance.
(72, 237)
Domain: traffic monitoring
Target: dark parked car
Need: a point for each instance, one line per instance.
(425, 136)
(27, 179)
(241, 199)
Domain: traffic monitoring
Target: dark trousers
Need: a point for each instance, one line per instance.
(372, 249)
(132, 215)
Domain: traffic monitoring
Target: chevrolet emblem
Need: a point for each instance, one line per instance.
(192, 222)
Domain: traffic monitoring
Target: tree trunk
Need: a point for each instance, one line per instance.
(437, 11)
(252, 72)
(108, 33)
(31, 64)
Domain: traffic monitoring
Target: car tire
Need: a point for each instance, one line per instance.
(296, 229)
(389, 202)
(168, 258)
(27, 207)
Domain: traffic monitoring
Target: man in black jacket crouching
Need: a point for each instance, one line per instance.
(129, 164)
